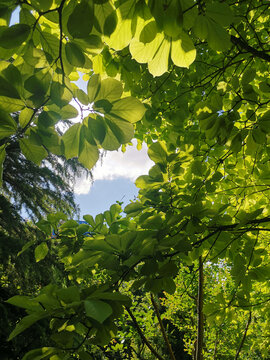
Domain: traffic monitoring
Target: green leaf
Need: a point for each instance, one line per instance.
(32, 152)
(90, 220)
(25, 302)
(264, 122)
(41, 251)
(173, 18)
(218, 38)
(148, 33)
(25, 323)
(8, 125)
(183, 52)
(80, 21)
(69, 295)
(110, 90)
(60, 95)
(159, 64)
(74, 54)
(129, 109)
(248, 76)
(71, 139)
(93, 87)
(168, 285)
(144, 53)
(110, 24)
(158, 153)
(10, 104)
(97, 127)
(134, 209)
(122, 35)
(117, 132)
(14, 35)
(82, 97)
(88, 154)
(39, 354)
(97, 310)
(168, 269)
(25, 116)
(7, 89)
(220, 13)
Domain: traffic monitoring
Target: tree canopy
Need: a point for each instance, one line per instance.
(191, 80)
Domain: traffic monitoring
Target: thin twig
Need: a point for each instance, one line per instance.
(165, 337)
(145, 341)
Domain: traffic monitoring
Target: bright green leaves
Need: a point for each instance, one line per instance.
(183, 52)
(77, 145)
(41, 251)
(129, 108)
(97, 310)
(80, 21)
(14, 36)
(88, 154)
(158, 153)
(107, 89)
(156, 52)
(122, 34)
(109, 126)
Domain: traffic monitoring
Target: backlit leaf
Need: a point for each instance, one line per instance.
(41, 251)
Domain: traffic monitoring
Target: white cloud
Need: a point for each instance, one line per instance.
(116, 164)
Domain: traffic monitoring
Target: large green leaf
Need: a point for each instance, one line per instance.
(122, 35)
(143, 53)
(220, 12)
(71, 139)
(14, 35)
(25, 302)
(41, 251)
(121, 129)
(7, 89)
(74, 54)
(93, 87)
(158, 153)
(25, 117)
(183, 52)
(8, 125)
(44, 352)
(32, 152)
(159, 64)
(80, 21)
(217, 37)
(26, 322)
(88, 154)
(129, 108)
(110, 89)
(97, 310)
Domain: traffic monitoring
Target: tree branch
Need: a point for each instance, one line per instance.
(165, 337)
(199, 343)
(243, 45)
(145, 341)
(244, 337)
